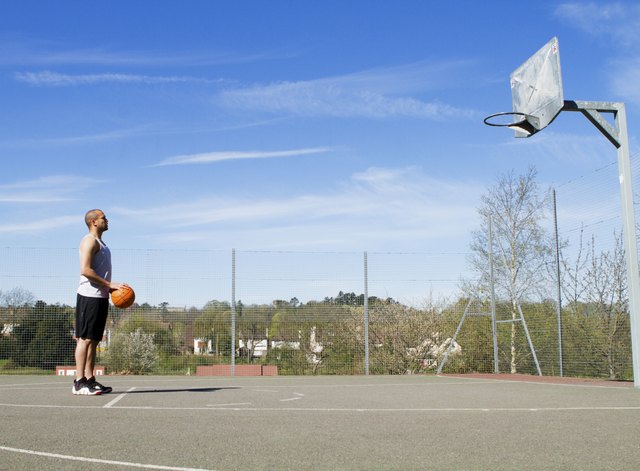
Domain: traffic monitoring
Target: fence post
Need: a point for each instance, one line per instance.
(233, 312)
(366, 315)
(494, 330)
(559, 290)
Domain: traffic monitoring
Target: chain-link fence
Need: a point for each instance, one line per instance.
(302, 312)
(339, 312)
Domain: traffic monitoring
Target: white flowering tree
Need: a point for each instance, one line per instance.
(133, 353)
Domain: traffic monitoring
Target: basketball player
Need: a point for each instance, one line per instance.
(92, 306)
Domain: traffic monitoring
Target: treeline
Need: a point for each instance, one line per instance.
(326, 337)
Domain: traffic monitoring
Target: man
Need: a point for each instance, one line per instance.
(92, 306)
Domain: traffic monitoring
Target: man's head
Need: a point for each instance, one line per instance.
(95, 218)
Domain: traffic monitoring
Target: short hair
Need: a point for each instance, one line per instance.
(91, 216)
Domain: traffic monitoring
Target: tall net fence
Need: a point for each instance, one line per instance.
(304, 313)
(596, 334)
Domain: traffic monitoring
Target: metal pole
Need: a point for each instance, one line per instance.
(366, 316)
(630, 243)
(455, 336)
(559, 290)
(233, 312)
(526, 331)
(494, 330)
(620, 139)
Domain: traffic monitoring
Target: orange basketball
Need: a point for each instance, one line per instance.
(123, 297)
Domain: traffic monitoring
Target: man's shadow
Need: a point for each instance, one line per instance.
(173, 390)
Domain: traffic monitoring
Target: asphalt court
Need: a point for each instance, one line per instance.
(323, 422)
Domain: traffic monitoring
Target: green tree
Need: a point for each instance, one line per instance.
(252, 326)
(214, 323)
(43, 339)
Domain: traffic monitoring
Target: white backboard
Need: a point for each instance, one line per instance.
(536, 87)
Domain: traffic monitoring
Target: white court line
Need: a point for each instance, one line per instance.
(27, 385)
(107, 406)
(50, 406)
(97, 460)
(298, 396)
(441, 380)
(232, 404)
(348, 409)
(436, 409)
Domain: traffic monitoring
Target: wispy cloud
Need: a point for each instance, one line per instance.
(48, 189)
(36, 226)
(625, 79)
(379, 93)
(612, 20)
(55, 79)
(106, 136)
(40, 53)
(152, 129)
(213, 157)
(371, 206)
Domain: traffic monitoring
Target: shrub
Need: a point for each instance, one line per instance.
(133, 353)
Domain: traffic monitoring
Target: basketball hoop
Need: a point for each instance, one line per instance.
(520, 123)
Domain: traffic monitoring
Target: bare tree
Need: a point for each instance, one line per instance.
(521, 246)
(573, 287)
(17, 300)
(597, 295)
(18, 297)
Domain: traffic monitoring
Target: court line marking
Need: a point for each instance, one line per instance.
(298, 396)
(439, 381)
(231, 404)
(110, 404)
(347, 409)
(98, 460)
(51, 406)
(26, 385)
(436, 409)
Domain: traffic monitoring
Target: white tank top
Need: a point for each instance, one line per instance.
(102, 266)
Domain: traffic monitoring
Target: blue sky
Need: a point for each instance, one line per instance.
(288, 125)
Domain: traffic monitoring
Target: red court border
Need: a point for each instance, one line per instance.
(544, 379)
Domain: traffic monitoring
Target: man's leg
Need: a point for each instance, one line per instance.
(82, 355)
(86, 310)
(90, 363)
(90, 367)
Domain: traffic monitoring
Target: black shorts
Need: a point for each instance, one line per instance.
(91, 317)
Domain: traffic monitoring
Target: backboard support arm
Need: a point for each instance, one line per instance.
(592, 111)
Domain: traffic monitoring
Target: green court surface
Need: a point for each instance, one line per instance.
(319, 423)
